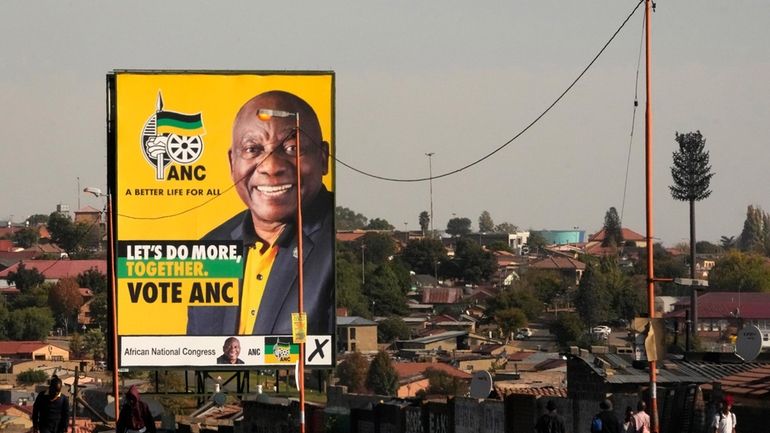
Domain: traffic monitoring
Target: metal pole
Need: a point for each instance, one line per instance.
(300, 280)
(694, 289)
(430, 181)
(650, 247)
(113, 306)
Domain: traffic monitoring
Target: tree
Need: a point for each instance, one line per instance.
(568, 329)
(31, 377)
(506, 227)
(77, 347)
(24, 278)
(352, 372)
(441, 383)
(36, 219)
(737, 271)
(509, 320)
(100, 311)
(65, 300)
(349, 289)
(592, 303)
(458, 226)
(391, 329)
(756, 231)
(382, 378)
(613, 232)
(95, 343)
(692, 176)
(384, 291)
(25, 237)
(536, 241)
(424, 221)
(727, 242)
(33, 323)
(485, 222)
(546, 285)
(423, 255)
(380, 247)
(472, 264)
(347, 219)
(74, 238)
(379, 224)
(94, 280)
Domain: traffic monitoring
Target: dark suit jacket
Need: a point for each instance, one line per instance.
(279, 299)
(223, 359)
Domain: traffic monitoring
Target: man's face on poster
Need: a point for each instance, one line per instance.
(263, 158)
(232, 350)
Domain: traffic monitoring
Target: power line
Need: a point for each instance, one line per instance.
(504, 145)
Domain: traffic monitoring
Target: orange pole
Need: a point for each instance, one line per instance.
(300, 281)
(113, 306)
(650, 246)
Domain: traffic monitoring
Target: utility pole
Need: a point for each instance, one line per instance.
(430, 181)
(363, 264)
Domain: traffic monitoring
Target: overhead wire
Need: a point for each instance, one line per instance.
(438, 176)
(633, 120)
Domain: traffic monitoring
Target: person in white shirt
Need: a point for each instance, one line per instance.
(724, 421)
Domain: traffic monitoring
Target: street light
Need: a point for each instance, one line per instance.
(265, 114)
(430, 181)
(97, 192)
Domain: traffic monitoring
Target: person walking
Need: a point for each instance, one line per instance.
(135, 416)
(724, 421)
(606, 421)
(551, 421)
(641, 418)
(50, 412)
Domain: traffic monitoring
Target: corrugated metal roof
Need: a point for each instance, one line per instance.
(354, 321)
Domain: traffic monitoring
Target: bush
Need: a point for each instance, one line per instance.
(31, 377)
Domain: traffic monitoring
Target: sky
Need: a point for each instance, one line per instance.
(453, 78)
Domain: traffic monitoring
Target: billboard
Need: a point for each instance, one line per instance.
(204, 179)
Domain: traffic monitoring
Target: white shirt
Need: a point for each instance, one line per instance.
(724, 423)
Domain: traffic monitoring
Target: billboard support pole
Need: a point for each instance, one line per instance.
(300, 281)
(113, 305)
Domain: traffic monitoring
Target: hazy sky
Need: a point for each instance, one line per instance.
(456, 78)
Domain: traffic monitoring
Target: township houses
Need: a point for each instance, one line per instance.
(723, 313)
(33, 350)
(413, 376)
(55, 270)
(356, 334)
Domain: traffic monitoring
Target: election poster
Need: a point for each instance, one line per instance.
(210, 172)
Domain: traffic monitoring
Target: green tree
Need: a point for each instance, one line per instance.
(77, 346)
(458, 226)
(347, 219)
(592, 302)
(379, 224)
(33, 323)
(383, 289)
(568, 329)
(441, 383)
(737, 271)
(509, 320)
(349, 292)
(65, 300)
(24, 278)
(75, 238)
(382, 378)
(536, 241)
(472, 264)
(391, 329)
(613, 232)
(756, 231)
(379, 247)
(25, 237)
(692, 176)
(485, 222)
(352, 372)
(423, 255)
(546, 285)
(506, 227)
(727, 242)
(94, 280)
(36, 296)
(100, 311)
(95, 343)
(31, 377)
(499, 246)
(36, 219)
(424, 221)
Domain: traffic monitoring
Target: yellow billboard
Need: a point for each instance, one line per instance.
(207, 170)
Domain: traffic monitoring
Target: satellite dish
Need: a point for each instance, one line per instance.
(219, 399)
(749, 342)
(481, 384)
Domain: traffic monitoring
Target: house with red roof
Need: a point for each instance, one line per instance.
(720, 313)
(570, 269)
(55, 270)
(33, 350)
(412, 376)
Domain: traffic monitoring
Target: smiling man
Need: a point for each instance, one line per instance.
(263, 168)
(230, 352)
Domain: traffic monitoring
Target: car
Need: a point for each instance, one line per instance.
(525, 332)
(601, 329)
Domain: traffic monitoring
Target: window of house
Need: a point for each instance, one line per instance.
(352, 347)
(352, 333)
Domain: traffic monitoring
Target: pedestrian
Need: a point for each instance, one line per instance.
(50, 411)
(641, 418)
(724, 421)
(135, 416)
(606, 421)
(551, 421)
(628, 421)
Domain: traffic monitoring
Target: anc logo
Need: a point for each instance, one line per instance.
(170, 136)
(280, 350)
